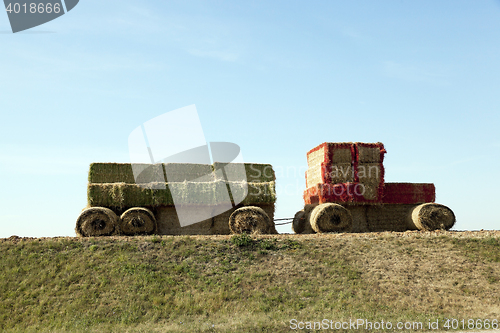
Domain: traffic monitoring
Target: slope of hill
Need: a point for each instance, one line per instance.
(250, 283)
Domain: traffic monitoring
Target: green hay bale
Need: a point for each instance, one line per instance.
(180, 172)
(260, 193)
(255, 173)
(100, 173)
(122, 196)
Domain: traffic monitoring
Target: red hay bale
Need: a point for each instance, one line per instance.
(408, 193)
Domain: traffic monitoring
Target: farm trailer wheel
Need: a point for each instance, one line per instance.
(252, 220)
(331, 217)
(138, 221)
(97, 221)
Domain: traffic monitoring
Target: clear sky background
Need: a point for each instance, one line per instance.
(275, 77)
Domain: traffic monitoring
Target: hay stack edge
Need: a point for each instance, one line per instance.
(120, 204)
(346, 192)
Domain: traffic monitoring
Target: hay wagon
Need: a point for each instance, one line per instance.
(346, 192)
(194, 199)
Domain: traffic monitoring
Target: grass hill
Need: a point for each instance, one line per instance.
(248, 283)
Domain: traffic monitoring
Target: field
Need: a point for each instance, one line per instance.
(249, 283)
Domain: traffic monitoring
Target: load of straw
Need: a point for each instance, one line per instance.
(431, 216)
(330, 217)
(137, 221)
(408, 193)
(97, 221)
(250, 220)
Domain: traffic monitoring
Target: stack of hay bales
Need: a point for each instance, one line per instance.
(345, 172)
(196, 186)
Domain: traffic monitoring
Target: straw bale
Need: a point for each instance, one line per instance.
(251, 220)
(180, 172)
(317, 156)
(254, 172)
(409, 193)
(168, 223)
(124, 196)
(359, 222)
(388, 217)
(124, 173)
(137, 221)
(370, 152)
(97, 221)
(330, 217)
(260, 193)
(301, 224)
(431, 216)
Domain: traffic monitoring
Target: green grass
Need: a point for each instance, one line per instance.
(242, 283)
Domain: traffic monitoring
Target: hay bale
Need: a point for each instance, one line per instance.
(330, 217)
(370, 152)
(124, 173)
(431, 216)
(122, 196)
(330, 163)
(181, 172)
(251, 220)
(408, 193)
(300, 224)
(137, 221)
(254, 172)
(168, 222)
(388, 217)
(97, 221)
(263, 193)
(371, 178)
(359, 221)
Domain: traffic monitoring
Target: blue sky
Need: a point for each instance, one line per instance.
(275, 77)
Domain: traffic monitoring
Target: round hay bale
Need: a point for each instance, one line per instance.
(137, 221)
(301, 223)
(96, 221)
(331, 217)
(431, 216)
(250, 220)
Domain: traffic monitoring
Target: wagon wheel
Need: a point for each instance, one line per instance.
(330, 217)
(96, 221)
(301, 224)
(431, 216)
(251, 220)
(137, 221)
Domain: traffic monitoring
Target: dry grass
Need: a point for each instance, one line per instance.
(245, 284)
